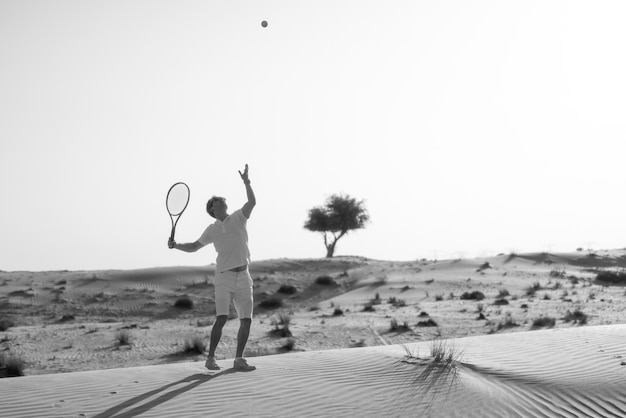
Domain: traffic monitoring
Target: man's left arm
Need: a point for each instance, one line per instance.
(249, 205)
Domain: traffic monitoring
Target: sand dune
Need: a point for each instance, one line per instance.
(576, 372)
(66, 324)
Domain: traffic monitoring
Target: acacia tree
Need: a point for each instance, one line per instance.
(336, 218)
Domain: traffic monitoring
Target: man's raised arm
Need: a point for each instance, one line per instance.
(247, 208)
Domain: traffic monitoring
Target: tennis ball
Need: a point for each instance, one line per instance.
(264, 23)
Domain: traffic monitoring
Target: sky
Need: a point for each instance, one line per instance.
(468, 129)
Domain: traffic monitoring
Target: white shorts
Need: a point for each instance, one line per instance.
(235, 286)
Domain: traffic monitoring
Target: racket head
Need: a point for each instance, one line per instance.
(177, 198)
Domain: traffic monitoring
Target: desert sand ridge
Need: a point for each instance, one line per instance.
(346, 346)
(576, 372)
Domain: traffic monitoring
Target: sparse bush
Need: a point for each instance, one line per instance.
(338, 311)
(573, 280)
(577, 316)
(609, 276)
(557, 286)
(325, 281)
(428, 323)
(398, 303)
(444, 353)
(369, 308)
(376, 300)
(484, 266)
(530, 291)
(507, 323)
(544, 322)
(501, 301)
(283, 331)
(195, 345)
(287, 289)
(439, 297)
(184, 303)
(271, 303)
(123, 338)
(557, 273)
(5, 324)
(11, 366)
(394, 326)
(502, 293)
(475, 295)
(289, 345)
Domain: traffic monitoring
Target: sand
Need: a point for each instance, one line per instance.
(358, 347)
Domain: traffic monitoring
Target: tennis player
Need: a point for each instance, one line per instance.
(232, 280)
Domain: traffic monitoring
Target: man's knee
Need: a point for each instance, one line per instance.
(220, 321)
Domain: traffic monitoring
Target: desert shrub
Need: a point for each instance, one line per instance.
(360, 343)
(195, 345)
(287, 289)
(271, 303)
(531, 290)
(394, 326)
(11, 366)
(325, 281)
(557, 286)
(376, 299)
(544, 322)
(502, 293)
(289, 345)
(123, 338)
(369, 308)
(617, 277)
(577, 316)
(184, 303)
(501, 301)
(338, 311)
(5, 324)
(484, 266)
(284, 331)
(557, 273)
(427, 323)
(444, 353)
(475, 295)
(439, 297)
(398, 303)
(508, 322)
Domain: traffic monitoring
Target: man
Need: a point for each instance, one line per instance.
(232, 279)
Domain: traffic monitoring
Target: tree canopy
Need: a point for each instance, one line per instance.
(339, 215)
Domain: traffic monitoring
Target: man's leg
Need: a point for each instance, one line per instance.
(216, 333)
(242, 335)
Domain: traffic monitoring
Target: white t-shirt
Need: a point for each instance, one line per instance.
(230, 239)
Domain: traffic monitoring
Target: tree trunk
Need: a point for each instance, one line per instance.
(330, 250)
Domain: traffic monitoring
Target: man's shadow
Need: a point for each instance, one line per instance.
(119, 411)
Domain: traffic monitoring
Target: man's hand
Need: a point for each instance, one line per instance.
(244, 175)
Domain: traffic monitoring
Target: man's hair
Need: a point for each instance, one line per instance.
(209, 204)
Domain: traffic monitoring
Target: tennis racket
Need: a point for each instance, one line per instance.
(176, 202)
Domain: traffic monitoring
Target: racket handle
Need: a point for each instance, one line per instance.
(172, 234)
